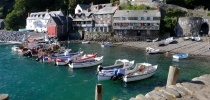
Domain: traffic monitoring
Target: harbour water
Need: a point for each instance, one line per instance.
(25, 79)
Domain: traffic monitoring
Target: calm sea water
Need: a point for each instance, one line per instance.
(25, 79)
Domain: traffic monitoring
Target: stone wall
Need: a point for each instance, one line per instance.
(190, 26)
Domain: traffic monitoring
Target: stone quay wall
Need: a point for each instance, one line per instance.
(191, 26)
(197, 89)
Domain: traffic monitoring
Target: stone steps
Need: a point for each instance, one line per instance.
(197, 89)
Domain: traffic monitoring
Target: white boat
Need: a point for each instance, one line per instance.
(140, 71)
(180, 56)
(169, 40)
(15, 48)
(87, 63)
(106, 44)
(150, 50)
(85, 42)
(106, 72)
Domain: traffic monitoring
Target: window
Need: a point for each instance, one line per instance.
(148, 18)
(151, 18)
(116, 18)
(142, 18)
(109, 15)
(156, 18)
(123, 18)
(99, 16)
(139, 18)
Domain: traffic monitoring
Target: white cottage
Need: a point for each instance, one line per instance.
(37, 21)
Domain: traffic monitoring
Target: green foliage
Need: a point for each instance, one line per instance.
(170, 19)
(16, 19)
(136, 7)
(208, 14)
(175, 12)
(114, 1)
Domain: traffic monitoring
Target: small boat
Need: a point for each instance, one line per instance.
(169, 40)
(106, 44)
(156, 40)
(197, 39)
(150, 50)
(85, 42)
(106, 72)
(180, 56)
(84, 57)
(139, 72)
(86, 63)
(64, 60)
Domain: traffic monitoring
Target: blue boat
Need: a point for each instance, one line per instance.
(180, 56)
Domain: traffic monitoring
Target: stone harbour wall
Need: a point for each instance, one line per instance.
(197, 89)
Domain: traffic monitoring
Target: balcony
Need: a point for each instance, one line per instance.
(105, 24)
(82, 25)
(136, 28)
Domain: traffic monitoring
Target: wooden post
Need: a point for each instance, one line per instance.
(172, 75)
(98, 92)
(4, 97)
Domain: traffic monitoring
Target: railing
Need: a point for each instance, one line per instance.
(136, 28)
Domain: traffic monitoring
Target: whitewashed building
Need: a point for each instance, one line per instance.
(37, 21)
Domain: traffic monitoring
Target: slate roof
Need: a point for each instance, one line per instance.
(84, 7)
(107, 10)
(57, 20)
(135, 13)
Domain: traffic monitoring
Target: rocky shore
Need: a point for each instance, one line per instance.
(6, 36)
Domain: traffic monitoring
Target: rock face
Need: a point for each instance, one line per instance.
(18, 36)
(4, 97)
(197, 89)
(11, 36)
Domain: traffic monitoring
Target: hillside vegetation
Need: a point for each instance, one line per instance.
(15, 11)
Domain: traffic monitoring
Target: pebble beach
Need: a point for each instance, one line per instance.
(193, 48)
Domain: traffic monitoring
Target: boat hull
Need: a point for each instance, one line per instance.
(104, 76)
(97, 61)
(137, 77)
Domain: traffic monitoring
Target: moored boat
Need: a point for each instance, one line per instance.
(86, 63)
(106, 44)
(139, 72)
(180, 56)
(150, 50)
(85, 42)
(106, 72)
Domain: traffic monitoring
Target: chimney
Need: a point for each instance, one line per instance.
(47, 10)
(28, 14)
(118, 7)
(91, 3)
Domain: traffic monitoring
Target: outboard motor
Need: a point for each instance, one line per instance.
(118, 74)
(99, 68)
